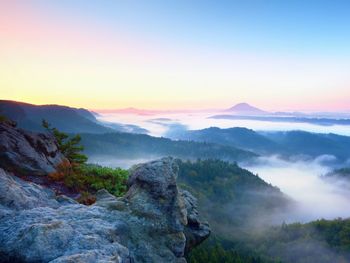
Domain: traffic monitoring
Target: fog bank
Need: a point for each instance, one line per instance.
(115, 162)
(163, 124)
(302, 180)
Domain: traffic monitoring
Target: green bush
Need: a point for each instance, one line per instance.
(91, 178)
(112, 179)
(80, 177)
(87, 179)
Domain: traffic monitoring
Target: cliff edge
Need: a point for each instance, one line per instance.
(154, 222)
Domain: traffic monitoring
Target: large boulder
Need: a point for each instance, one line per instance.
(153, 222)
(27, 153)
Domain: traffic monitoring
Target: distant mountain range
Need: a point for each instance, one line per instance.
(290, 119)
(289, 143)
(210, 142)
(111, 139)
(245, 109)
(239, 110)
(67, 119)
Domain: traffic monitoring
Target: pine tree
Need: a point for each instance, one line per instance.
(69, 146)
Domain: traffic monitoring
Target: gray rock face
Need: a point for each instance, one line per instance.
(153, 222)
(27, 153)
(195, 231)
(16, 194)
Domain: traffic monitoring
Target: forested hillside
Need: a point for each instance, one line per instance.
(67, 119)
(320, 241)
(232, 198)
(129, 146)
(286, 143)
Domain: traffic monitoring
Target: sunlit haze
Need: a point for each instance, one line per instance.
(277, 55)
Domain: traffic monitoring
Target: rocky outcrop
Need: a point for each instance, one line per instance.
(196, 231)
(154, 222)
(153, 194)
(27, 153)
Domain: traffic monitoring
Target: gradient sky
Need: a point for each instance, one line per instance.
(104, 54)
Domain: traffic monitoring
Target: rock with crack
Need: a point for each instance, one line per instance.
(27, 153)
(153, 222)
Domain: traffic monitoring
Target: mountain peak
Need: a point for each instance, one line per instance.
(245, 108)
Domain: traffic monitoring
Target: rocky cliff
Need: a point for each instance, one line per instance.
(27, 153)
(154, 222)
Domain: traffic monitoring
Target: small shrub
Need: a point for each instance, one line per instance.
(90, 178)
(3, 118)
(64, 169)
(111, 179)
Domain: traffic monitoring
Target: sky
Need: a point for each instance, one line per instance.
(183, 54)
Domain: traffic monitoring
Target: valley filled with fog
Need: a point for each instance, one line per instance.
(161, 124)
(303, 180)
(299, 176)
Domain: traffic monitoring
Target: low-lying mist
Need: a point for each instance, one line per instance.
(113, 162)
(303, 181)
(164, 124)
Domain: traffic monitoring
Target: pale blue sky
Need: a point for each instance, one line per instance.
(177, 54)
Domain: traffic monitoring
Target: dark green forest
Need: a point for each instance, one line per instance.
(229, 195)
(286, 144)
(129, 146)
(232, 198)
(319, 241)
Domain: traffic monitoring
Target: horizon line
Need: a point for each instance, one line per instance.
(135, 109)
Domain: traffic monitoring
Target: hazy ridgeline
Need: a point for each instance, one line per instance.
(140, 146)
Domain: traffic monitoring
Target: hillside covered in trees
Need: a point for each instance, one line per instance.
(130, 146)
(284, 143)
(230, 195)
(318, 241)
